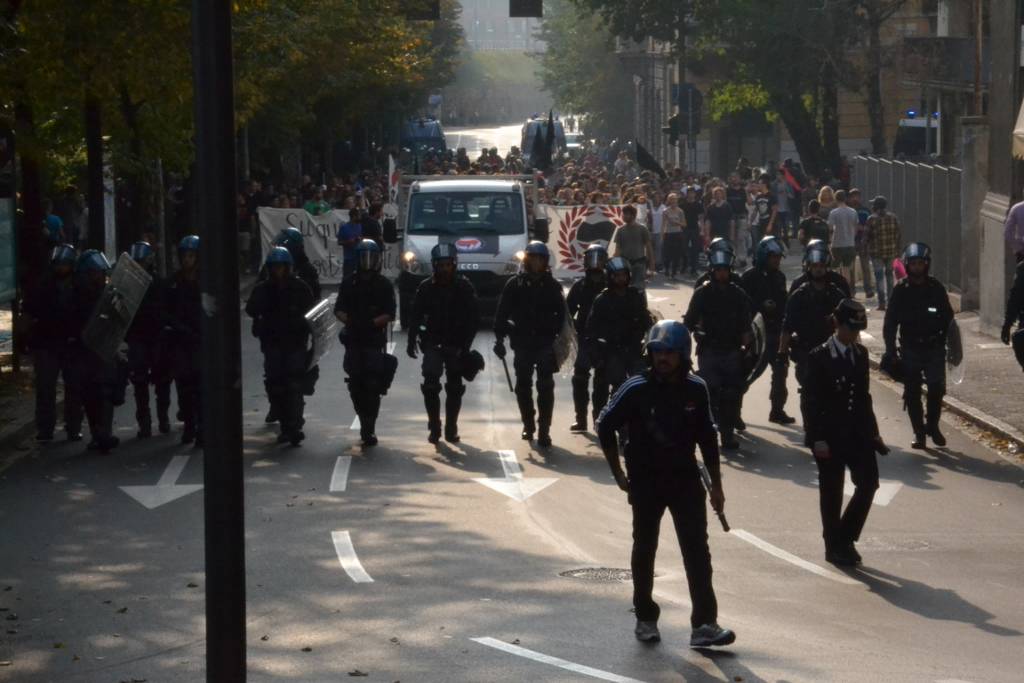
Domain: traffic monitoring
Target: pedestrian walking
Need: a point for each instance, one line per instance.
(693, 209)
(884, 239)
(673, 222)
(666, 412)
(813, 226)
(843, 223)
(861, 242)
(633, 242)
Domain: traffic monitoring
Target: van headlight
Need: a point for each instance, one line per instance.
(512, 267)
(410, 263)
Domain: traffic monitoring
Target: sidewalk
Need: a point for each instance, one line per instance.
(989, 396)
(17, 399)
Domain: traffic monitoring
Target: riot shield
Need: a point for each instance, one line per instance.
(756, 359)
(954, 354)
(114, 312)
(566, 345)
(322, 326)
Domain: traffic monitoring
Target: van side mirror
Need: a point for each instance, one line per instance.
(540, 229)
(389, 228)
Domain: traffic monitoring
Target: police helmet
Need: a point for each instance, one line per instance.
(721, 244)
(617, 265)
(289, 238)
(63, 255)
(188, 243)
(444, 251)
(721, 259)
(538, 248)
(852, 314)
(879, 203)
(141, 252)
(368, 255)
(595, 258)
(917, 250)
(669, 335)
(768, 246)
(92, 260)
(278, 256)
(817, 252)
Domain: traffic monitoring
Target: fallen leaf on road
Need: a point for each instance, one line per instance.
(192, 585)
(515, 642)
(357, 672)
(58, 646)
(107, 602)
(122, 610)
(265, 638)
(11, 617)
(75, 658)
(307, 649)
(6, 662)
(394, 640)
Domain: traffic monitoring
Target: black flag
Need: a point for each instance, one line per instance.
(648, 162)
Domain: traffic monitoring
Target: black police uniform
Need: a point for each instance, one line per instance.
(767, 291)
(278, 310)
(363, 297)
(615, 331)
(579, 301)
(53, 342)
(809, 317)
(1015, 313)
(531, 312)
(148, 359)
(705, 278)
(183, 315)
(840, 414)
(445, 318)
(303, 269)
(832, 277)
(666, 421)
(99, 381)
(920, 314)
(720, 316)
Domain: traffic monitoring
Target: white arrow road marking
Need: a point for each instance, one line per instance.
(348, 558)
(887, 490)
(166, 489)
(339, 479)
(657, 299)
(356, 426)
(792, 559)
(553, 661)
(513, 484)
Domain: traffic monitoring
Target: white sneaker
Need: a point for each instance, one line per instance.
(711, 634)
(647, 631)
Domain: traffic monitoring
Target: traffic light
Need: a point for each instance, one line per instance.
(672, 130)
(690, 101)
(421, 10)
(526, 8)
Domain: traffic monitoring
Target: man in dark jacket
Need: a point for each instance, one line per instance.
(366, 306)
(843, 431)
(1015, 312)
(920, 314)
(445, 318)
(278, 307)
(183, 309)
(579, 301)
(147, 349)
(531, 311)
(817, 251)
(666, 411)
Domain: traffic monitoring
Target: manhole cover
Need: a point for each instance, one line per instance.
(599, 574)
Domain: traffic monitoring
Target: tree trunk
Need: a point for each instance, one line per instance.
(136, 177)
(94, 153)
(802, 128)
(31, 248)
(830, 117)
(873, 85)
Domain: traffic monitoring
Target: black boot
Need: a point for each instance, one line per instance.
(916, 414)
(432, 402)
(528, 415)
(580, 399)
(934, 415)
(452, 407)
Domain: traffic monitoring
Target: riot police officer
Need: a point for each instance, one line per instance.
(53, 340)
(817, 251)
(719, 314)
(579, 301)
(920, 314)
(147, 352)
(292, 240)
(666, 411)
(531, 311)
(98, 379)
(808, 321)
(717, 244)
(183, 315)
(366, 306)
(278, 307)
(1015, 313)
(444, 321)
(615, 331)
(842, 431)
(765, 284)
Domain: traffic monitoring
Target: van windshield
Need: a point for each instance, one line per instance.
(466, 213)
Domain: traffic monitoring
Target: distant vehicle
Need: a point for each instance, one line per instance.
(539, 126)
(573, 142)
(423, 135)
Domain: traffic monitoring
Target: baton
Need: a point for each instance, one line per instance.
(706, 478)
(504, 364)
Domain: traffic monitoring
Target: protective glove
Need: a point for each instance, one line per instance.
(1004, 336)
(410, 349)
(880, 446)
(499, 349)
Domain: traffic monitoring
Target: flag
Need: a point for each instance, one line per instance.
(540, 157)
(549, 138)
(648, 162)
(394, 179)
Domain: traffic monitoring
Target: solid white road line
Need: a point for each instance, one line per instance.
(792, 559)
(355, 423)
(553, 661)
(339, 479)
(992, 345)
(513, 484)
(348, 558)
(887, 490)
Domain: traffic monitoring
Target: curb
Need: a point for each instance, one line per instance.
(972, 415)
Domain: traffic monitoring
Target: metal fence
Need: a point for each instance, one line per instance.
(926, 199)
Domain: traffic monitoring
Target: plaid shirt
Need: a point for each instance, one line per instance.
(884, 237)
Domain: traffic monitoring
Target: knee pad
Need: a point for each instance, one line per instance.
(545, 382)
(454, 390)
(431, 387)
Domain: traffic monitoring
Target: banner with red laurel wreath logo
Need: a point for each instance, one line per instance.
(574, 228)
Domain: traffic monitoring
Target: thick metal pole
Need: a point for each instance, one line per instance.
(221, 357)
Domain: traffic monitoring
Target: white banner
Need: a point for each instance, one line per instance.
(320, 235)
(574, 228)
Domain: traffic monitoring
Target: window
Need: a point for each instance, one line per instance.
(466, 213)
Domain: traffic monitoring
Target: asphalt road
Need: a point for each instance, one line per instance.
(412, 569)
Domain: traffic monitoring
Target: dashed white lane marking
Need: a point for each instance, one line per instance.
(887, 490)
(348, 558)
(355, 423)
(792, 559)
(869, 337)
(991, 345)
(513, 484)
(657, 299)
(553, 661)
(339, 479)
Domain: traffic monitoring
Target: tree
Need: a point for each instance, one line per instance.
(873, 14)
